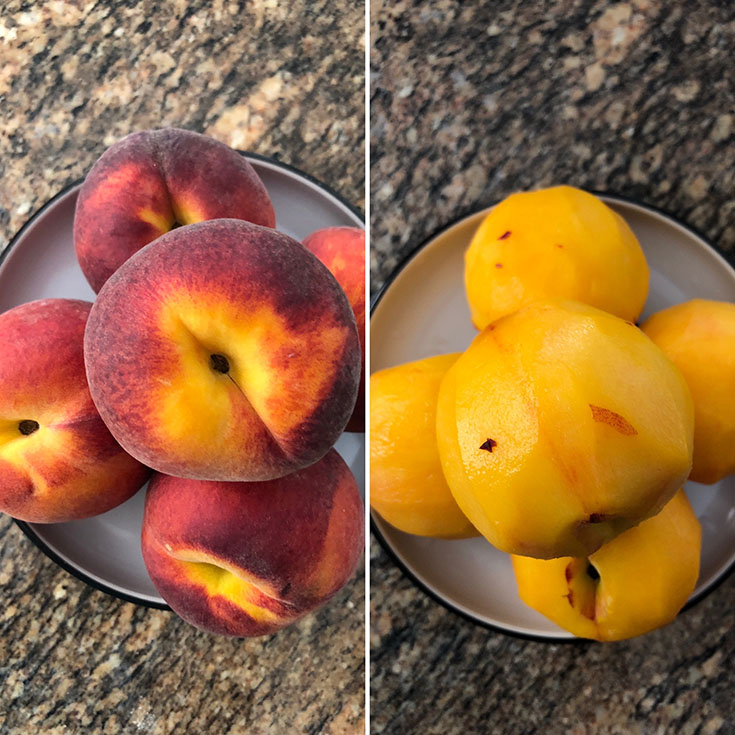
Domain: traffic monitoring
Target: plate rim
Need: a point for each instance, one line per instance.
(24, 526)
(565, 638)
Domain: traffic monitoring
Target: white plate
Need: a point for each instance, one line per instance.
(422, 311)
(40, 262)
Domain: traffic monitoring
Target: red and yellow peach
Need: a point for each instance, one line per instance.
(226, 351)
(149, 183)
(342, 250)
(58, 461)
(246, 559)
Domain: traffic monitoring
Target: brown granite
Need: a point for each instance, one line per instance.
(283, 79)
(471, 101)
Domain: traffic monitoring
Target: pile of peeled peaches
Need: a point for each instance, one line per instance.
(565, 432)
(220, 362)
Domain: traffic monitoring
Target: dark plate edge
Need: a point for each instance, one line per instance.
(27, 530)
(82, 576)
(375, 300)
(325, 187)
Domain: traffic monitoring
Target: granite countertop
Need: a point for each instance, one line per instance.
(472, 101)
(281, 79)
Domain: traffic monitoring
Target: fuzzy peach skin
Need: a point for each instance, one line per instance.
(224, 351)
(58, 461)
(557, 243)
(246, 559)
(407, 486)
(699, 338)
(342, 250)
(152, 181)
(560, 427)
(636, 583)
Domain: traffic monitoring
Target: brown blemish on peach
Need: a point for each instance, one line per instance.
(596, 518)
(612, 419)
(585, 586)
(505, 235)
(568, 572)
(489, 445)
(28, 427)
(560, 246)
(498, 265)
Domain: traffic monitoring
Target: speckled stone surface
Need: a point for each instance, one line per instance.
(472, 101)
(284, 79)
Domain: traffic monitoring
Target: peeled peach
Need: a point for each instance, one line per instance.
(342, 250)
(224, 351)
(699, 338)
(634, 584)
(246, 559)
(558, 243)
(561, 427)
(150, 182)
(58, 461)
(407, 486)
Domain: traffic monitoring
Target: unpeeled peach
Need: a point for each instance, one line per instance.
(224, 351)
(58, 461)
(246, 559)
(342, 250)
(153, 181)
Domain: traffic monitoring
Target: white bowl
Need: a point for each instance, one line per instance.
(422, 311)
(40, 262)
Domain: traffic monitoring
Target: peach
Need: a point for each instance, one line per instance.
(58, 461)
(636, 583)
(342, 250)
(246, 559)
(560, 427)
(557, 243)
(223, 351)
(149, 183)
(407, 486)
(699, 337)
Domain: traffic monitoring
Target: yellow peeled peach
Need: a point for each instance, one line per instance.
(557, 243)
(407, 487)
(699, 338)
(560, 427)
(636, 583)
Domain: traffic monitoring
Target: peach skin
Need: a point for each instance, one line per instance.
(58, 461)
(407, 487)
(246, 559)
(558, 243)
(560, 427)
(342, 250)
(153, 181)
(699, 337)
(636, 583)
(223, 351)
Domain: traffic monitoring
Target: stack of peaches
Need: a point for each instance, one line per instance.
(221, 360)
(564, 433)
